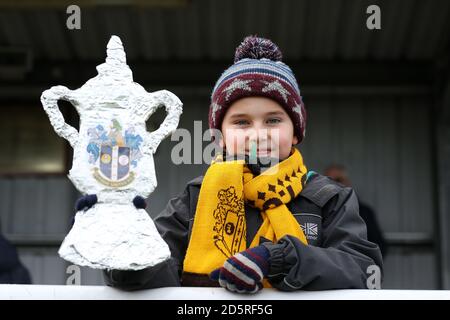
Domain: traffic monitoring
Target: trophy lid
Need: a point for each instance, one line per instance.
(115, 65)
(113, 86)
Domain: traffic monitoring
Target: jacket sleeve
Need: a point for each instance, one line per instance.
(341, 262)
(11, 268)
(173, 225)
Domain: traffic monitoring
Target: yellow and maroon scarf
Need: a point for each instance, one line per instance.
(219, 229)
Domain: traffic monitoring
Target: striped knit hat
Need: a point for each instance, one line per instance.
(258, 71)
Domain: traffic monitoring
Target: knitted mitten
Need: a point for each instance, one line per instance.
(245, 271)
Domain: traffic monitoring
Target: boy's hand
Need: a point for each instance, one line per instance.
(244, 272)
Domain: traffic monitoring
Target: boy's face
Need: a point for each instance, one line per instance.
(262, 121)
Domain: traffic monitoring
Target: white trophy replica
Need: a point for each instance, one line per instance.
(113, 158)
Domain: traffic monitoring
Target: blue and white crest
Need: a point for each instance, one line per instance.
(113, 153)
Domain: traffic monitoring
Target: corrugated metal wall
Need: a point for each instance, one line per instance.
(385, 141)
(386, 145)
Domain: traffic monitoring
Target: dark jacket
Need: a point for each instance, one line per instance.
(11, 269)
(337, 255)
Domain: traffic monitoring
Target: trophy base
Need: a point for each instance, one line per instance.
(114, 236)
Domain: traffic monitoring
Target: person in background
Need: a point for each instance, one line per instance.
(374, 234)
(12, 271)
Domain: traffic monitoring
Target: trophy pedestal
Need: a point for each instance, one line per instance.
(114, 236)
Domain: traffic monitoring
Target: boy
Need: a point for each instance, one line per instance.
(245, 226)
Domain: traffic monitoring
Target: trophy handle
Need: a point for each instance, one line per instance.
(174, 109)
(49, 100)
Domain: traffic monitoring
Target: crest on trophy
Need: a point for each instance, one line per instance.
(114, 153)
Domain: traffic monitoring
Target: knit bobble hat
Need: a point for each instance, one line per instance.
(258, 71)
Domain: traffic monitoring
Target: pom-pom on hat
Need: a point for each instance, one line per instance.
(258, 71)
